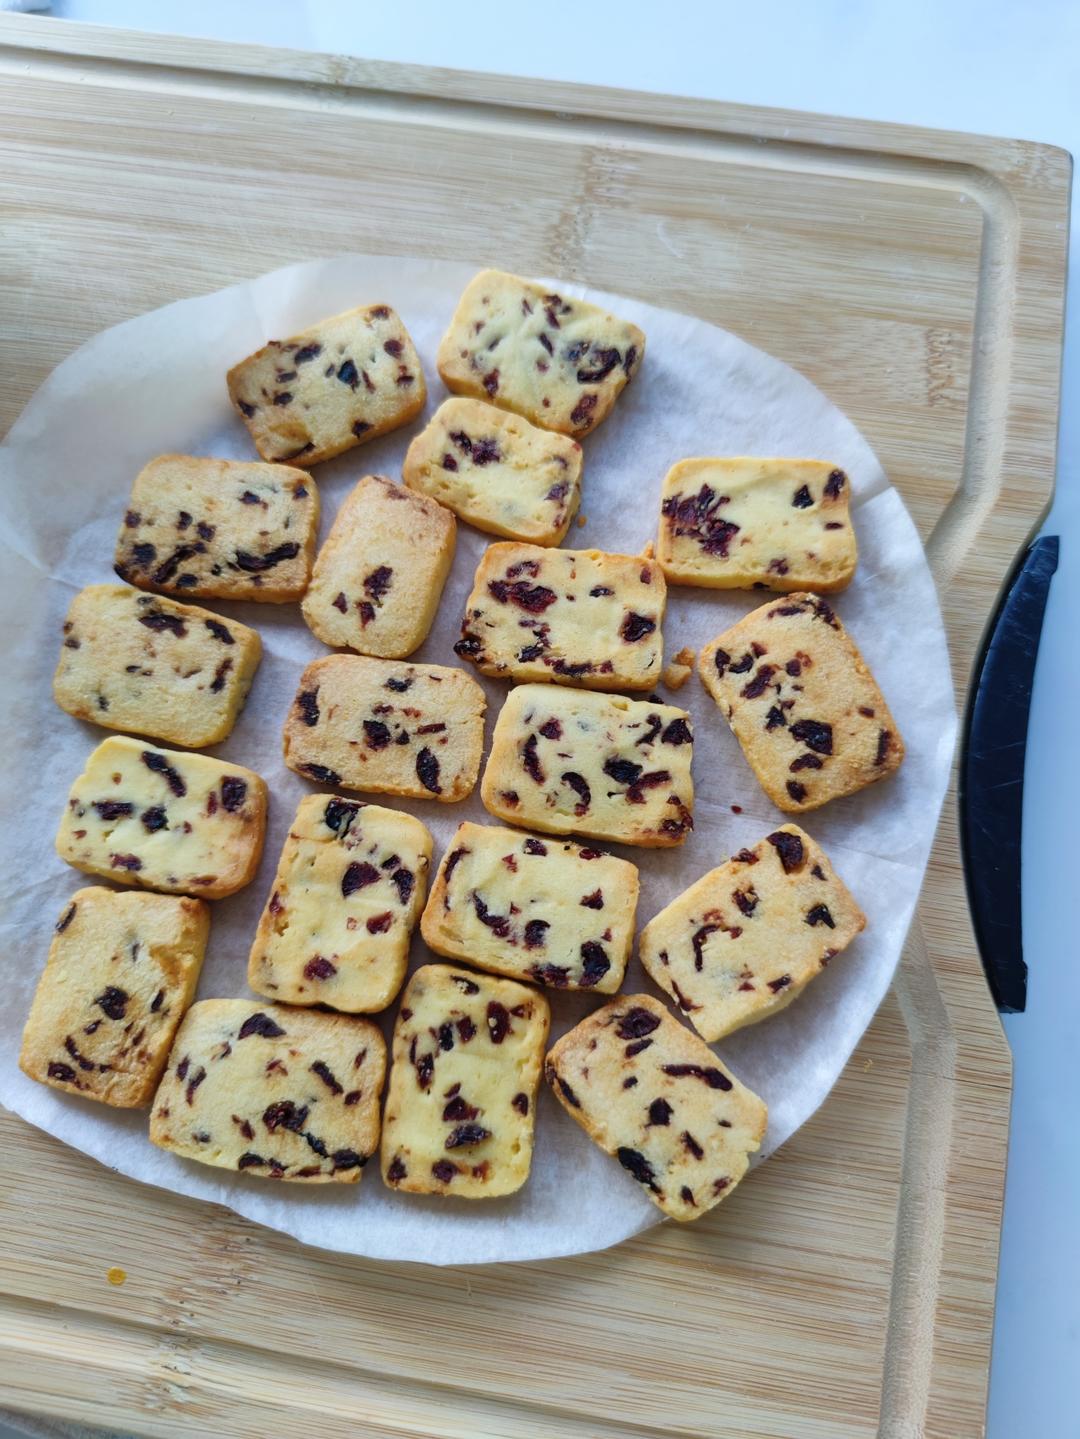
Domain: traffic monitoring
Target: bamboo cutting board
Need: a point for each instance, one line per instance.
(847, 1290)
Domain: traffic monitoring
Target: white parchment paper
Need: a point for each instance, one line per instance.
(156, 384)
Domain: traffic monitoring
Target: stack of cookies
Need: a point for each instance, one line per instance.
(289, 1086)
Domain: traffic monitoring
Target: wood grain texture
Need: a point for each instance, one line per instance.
(917, 278)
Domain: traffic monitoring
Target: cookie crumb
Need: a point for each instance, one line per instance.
(678, 669)
(116, 1275)
(581, 522)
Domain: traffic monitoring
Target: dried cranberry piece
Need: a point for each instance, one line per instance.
(698, 943)
(815, 734)
(636, 793)
(805, 761)
(307, 702)
(327, 1075)
(660, 1112)
(443, 1170)
(622, 771)
(498, 1021)
(260, 1024)
(427, 771)
(349, 375)
(403, 881)
(396, 1170)
(521, 1103)
(556, 975)
(603, 362)
(380, 923)
(636, 1023)
(257, 564)
(321, 773)
(759, 683)
(776, 985)
(499, 924)
(564, 1089)
(65, 919)
(165, 571)
(530, 761)
(125, 861)
(534, 599)
(318, 967)
(143, 555)
(218, 682)
(536, 933)
(690, 1143)
(376, 734)
(796, 791)
(595, 963)
(155, 620)
(820, 914)
(581, 414)
(112, 1001)
(834, 484)
(468, 647)
(638, 1166)
(714, 1078)
(803, 498)
(580, 787)
(883, 746)
(636, 627)
(775, 719)
(534, 846)
(160, 765)
(113, 809)
(466, 1135)
(284, 1114)
(340, 813)
(594, 900)
(746, 900)
(378, 582)
(790, 849)
(348, 1159)
(551, 729)
(458, 1109)
(63, 1072)
(677, 732)
(361, 427)
(357, 876)
(233, 792)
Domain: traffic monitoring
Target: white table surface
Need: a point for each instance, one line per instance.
(998, 67)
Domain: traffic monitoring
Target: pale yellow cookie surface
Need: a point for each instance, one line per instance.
(547, 909)
(219, 529)
(747, 523)
(164, 819)
(653, 1095)
(337, 384)
(580, 617)
(349, 888)
(748, 937)
(498, 472)
(577, 762)
(460, 1111)
(271, 1091)
(807, 712)
(122, 969)
(380, 573)
(391, 728)
(131, 661)
(560, 362)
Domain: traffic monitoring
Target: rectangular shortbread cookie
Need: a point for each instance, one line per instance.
(219, 529)
(498, 472)
(807, 712)
(753, 523)
(139, 662)
(560, 362)
(580, 617)
(122, 969)
(348, 891)
(542, 909)
(380, 573)
(653, 1095)
(337, 384)
(391, 728)
(467, 1056)
(576, 762)
(274, 1092)
(162, 819)
(748, 937)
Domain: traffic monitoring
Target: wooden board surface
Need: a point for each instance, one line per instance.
(917, 278)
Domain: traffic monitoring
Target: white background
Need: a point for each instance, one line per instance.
(997, 67)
